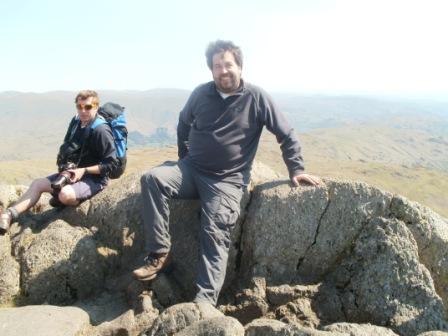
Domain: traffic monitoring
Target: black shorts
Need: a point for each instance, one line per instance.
(86, 188)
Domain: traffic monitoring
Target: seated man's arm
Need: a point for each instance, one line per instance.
(186, 118)
(277, 124)
(183, 130)
(78, 173)
(102, 144)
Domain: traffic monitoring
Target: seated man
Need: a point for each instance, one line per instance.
(85, 160)
(218, 134)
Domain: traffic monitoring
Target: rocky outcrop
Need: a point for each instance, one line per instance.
(270, 327)
(342, 258)
(42, 321)
(384, 260)
(60, 264)
(223, 326)
(110, 314)
(359, 329)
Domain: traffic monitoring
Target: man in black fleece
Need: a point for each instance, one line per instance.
(94, 157)
(218, 133)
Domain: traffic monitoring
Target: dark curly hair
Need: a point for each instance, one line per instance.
(219, 46)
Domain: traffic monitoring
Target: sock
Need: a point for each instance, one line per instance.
(13, 213)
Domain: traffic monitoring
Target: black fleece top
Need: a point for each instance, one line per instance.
(98, 149)
(220, 136)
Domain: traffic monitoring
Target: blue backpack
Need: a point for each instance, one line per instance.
(114, 115)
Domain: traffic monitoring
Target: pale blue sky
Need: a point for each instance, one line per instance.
(314, 46)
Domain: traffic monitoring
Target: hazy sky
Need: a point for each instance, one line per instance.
(312, 46)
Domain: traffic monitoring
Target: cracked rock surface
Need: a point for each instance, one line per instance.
(344, 258)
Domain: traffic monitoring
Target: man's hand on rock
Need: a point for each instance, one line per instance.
(305, 178)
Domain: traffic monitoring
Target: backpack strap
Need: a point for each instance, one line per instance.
(99, 120)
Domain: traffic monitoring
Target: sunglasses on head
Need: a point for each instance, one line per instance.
(86, 107)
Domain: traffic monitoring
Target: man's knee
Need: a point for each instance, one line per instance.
(144, 179)
(67, 196)
(150, 179)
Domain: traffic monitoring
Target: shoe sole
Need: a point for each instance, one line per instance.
(165, 270)
(4, 229)
(149, 278)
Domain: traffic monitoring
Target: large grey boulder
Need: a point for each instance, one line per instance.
(60, 264)
(222, 326)
(42, 321)
(354, 329)
(319, 239)
(341, 252)
(267, 327)
(383, 282)
(115, 217)
(110, 314)
(430, 231)
(180, 316)
(349, 207)
(279, 230)
(299, 234)
(270, 327)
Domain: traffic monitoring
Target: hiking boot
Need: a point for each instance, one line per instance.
(155, 263)
(5, 222)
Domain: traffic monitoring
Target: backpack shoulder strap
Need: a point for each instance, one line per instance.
(99, 120)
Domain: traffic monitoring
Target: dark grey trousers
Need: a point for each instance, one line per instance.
(220, 207)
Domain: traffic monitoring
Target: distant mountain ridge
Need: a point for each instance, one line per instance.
(311, 112)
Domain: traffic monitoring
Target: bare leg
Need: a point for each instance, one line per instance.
(32, 195)
(67, 196)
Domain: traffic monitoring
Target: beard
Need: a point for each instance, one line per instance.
(227, 83)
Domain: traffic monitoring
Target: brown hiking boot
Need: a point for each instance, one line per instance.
(154, 264)
(5, 222)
